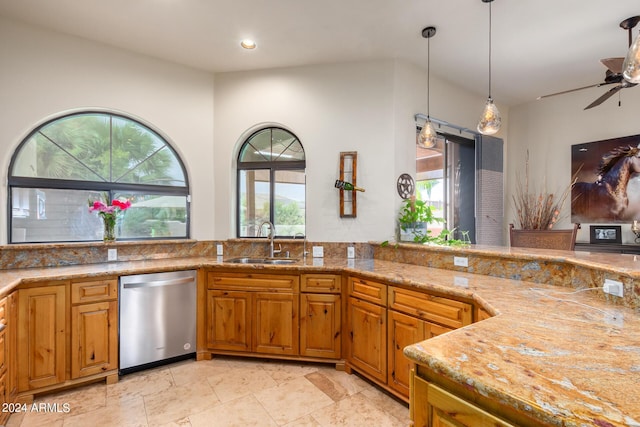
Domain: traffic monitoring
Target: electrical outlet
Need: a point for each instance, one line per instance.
(317, 251)
(351, 252)
(219, 250)
(112, 254)
(613, 287)
(461, 261)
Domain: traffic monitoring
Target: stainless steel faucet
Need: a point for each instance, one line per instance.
(272, 233)
(304, 243)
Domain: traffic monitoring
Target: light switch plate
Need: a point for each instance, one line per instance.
(351, 252)
(461, 261)
(112, 254)
(317, 251)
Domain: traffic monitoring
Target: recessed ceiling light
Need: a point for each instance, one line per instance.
(248, 44)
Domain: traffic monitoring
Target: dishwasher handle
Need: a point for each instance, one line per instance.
(155, 283)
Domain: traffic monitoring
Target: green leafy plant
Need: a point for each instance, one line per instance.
(414, 216)
(442, 239)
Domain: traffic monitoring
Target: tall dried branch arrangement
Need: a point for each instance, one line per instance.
(538, 209)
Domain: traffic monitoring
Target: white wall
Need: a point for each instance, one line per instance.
(548, 128)
(366, 107)
(44, 74)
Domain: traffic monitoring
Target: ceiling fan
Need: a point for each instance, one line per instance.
(613, 74)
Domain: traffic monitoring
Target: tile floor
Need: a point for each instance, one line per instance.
(224, 392)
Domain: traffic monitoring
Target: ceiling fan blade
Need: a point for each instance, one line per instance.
(571, 90)
(613, 64)
(604, 97)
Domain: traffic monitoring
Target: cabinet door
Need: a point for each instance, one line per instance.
(368, 338)
(403, 331)
(228, 320)
(41, 336)
(11, 331)
(94, 338)
(275, 328)
(320, 325)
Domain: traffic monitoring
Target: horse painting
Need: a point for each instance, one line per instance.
(606, 199)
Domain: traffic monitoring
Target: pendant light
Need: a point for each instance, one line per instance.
(631, 64)
(428, 136)
(490, 121)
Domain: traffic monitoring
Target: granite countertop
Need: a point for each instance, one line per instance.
(567, 359)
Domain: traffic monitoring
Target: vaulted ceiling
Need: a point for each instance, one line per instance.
(539, 46)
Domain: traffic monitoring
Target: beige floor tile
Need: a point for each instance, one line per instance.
(306, 421)
(388, 404)
(355, 411)
(138, 384)
(337, 384)
(253, 392)
(179, 402)
(32, 418)
(240, 381)
(286, 371)
(128, 413)
(242, 412)
(78, 400)
(292, 400)
(15, 419)
(187, 372)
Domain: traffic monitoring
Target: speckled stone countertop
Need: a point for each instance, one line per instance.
(567, 359)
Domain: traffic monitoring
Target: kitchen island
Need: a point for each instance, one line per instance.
(546, 356)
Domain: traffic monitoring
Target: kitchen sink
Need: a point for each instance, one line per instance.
(250, 260)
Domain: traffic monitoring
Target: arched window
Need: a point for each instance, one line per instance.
(271, 184)
(70, 160)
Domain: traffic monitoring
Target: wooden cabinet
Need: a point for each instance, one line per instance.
(11, 355)
(67, 331)
(320, 316)
(253, 313)
(434, 406)
(367, 325)
(229, 320)
(94, 327)
(412, 318)
(275, 323)
(4, 359)
(42, 325)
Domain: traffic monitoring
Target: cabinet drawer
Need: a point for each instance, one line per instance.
(321, 283)
(94, 290)
(368, 290)
(440, 310)
(253, 282)
(448, 409)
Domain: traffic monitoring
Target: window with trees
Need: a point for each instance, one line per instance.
(271, 184)
(70, 160)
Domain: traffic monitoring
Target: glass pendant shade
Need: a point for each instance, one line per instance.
(631, 64)
(427, 137)
(490, 121)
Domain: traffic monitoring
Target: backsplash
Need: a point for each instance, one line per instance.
(561, 269)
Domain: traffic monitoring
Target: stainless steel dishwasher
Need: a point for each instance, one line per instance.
(157, 322)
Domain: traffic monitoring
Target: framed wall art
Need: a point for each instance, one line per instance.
(607, 187)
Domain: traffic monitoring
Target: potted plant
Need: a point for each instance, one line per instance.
(537, 211)
(413, 220)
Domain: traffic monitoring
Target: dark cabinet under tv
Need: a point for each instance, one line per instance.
(608, 248)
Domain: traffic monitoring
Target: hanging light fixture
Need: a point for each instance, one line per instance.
(631, 64)
(428, 136)
(490, 121)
